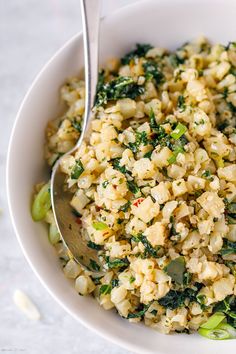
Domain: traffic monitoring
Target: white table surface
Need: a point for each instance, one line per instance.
(30, 32)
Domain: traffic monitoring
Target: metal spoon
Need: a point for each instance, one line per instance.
(60, 197)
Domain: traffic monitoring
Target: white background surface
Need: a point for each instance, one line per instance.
(30, 32)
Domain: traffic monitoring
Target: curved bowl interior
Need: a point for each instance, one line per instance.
(162, 23)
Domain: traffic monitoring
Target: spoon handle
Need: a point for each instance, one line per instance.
(90, 22)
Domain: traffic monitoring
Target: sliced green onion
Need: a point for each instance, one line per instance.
(214, 321)
(54, 235)
(178, 131)
(176, 151)
(230, 329)
(41, 203)
(216, 334)
(105, 289)
(77, 170)
(99, 225)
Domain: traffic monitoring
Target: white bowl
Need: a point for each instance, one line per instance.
(163, 23)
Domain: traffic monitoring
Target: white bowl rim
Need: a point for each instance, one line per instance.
(125, 344)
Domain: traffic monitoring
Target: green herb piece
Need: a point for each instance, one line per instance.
(176, 270)
(120, 221)
(179, 131)
(132, 279)
(99, 226)
(77, 170)
(148, 154)
(76, 125)
(213, 321)
(140, 313)
(117, 263)
(207, 174)
(120, 87)
(125, 207)
(133, 188)
(105, 289)
(41, 203)
(93, 264)
(97, 280)
(140, 139)
(181, 103)
(159, 136)
(154, 312)
(175, 60)
(152, 71)
(229, 247)
(114, 283)
(94, 246)
(175, 299)
(54, 235)
(116, 165)
(140, 51)
(176, 152)
(105, 184)
(150, 251)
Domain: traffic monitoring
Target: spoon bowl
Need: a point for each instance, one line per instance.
(66, 221)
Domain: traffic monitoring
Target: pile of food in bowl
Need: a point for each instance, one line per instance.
(154, 187)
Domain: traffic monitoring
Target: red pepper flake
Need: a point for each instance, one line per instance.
(78, 221)
(138, 201)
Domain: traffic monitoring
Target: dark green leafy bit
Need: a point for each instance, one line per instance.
(159, 136)
(140, 51)
(105, 289)
(116, 165)
(77, 170)
(221, 126)
(125, 207)
(97, 280)
(228, 248)
(207, 174)
(228, 307)
(117, 263)
(152, 71)
(173, 231)
(232, 266)
(140, 139)
(230, 212)
(105, 184)
(174, 299)
(150, 251)
(93, 265)
(114, 283)
(175, 60)
(76, 213)
(120, 87)
(133, 188)
(176, 270)
(140, 312)
(76, 125)
(181, 103)
(148, 154)
(94, 246)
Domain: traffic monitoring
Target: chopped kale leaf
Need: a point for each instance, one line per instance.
(140, 51)
(94, 245)
(140, 313)
(174, 299)
(152, 71)
(120, 87)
